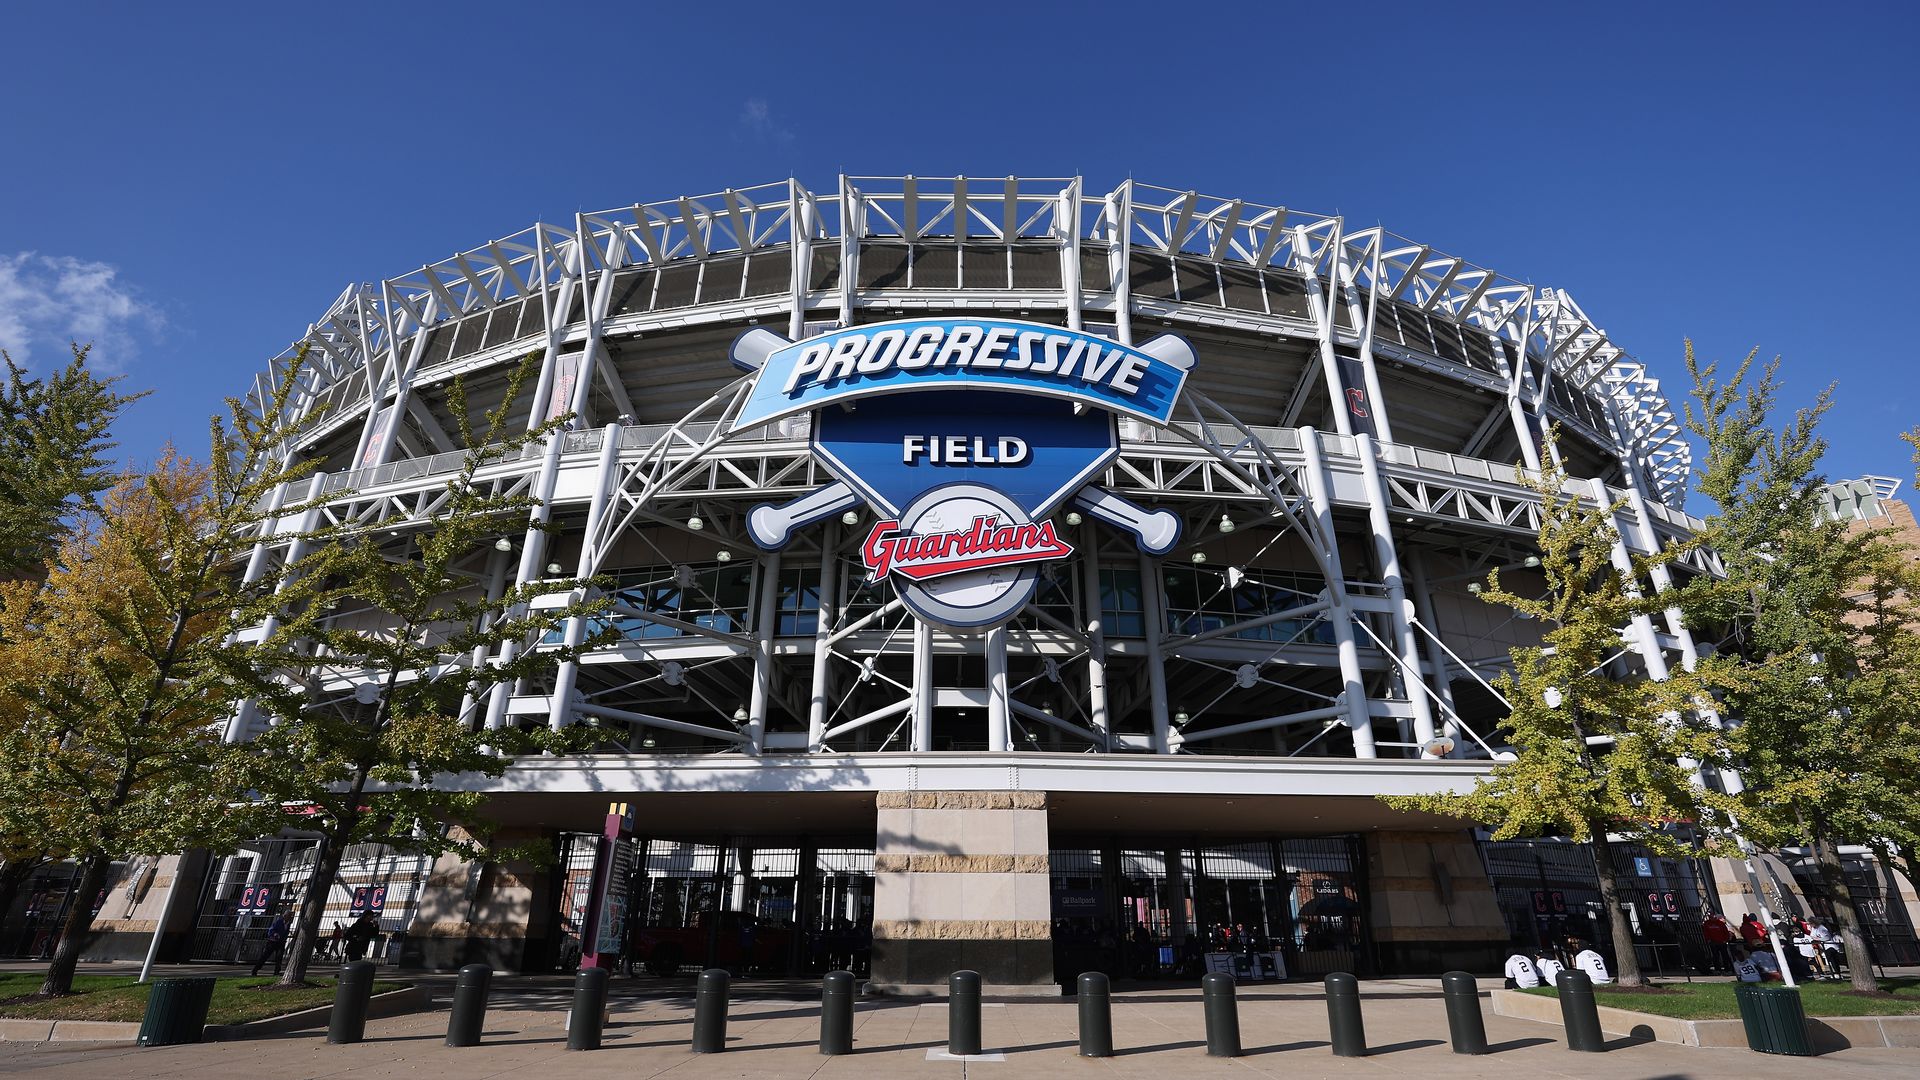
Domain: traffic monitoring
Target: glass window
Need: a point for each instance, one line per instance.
(1121, 613)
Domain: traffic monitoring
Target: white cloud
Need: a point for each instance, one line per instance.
(47, 301)
(757, 123)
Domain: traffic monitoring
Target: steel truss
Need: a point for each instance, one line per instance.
(551, 287)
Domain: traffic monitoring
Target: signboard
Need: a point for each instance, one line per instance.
(1663, 903)
(1642, 866)
(1070, 903)
(962, 436)
(1549, 902)
(254, 900)
(368, 898)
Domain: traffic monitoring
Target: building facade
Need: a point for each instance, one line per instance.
(1008, 574)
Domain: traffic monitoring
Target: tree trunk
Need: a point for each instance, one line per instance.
(1833, 876)
(305, 935)
(1626, 960)
(73, 932)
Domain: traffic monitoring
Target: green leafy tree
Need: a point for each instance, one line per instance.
(380, 719)
(118, 666)
(1597, 757)
(54, 440)
(1813, 611)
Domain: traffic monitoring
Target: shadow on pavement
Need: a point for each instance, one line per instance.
(1517, 1044)
(1129, 1051)
(1276, 1048)
(1410, 1044)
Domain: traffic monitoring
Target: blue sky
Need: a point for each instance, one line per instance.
(190, 185)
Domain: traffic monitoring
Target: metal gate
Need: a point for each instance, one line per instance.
(1550, 895)
(1883, 917)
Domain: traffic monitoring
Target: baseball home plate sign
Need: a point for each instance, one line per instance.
(963, 436)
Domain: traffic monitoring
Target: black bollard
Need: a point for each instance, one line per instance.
(836, 1013)
(963, 1013)
(469, 1005)
(589, 1009)
(1096, 1015)
(348, 1023)
(1464, 1022)
(1348, 1034)
(710, 1012)
(1579, 1012)
(1223, 1015)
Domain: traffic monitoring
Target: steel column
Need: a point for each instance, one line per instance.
(999, 719)
(819, 699)
(1154, 615)
(560, 707)
(1097, 714)
(1340, 613)
(1400, 610)
(922, 682)
(767, 605)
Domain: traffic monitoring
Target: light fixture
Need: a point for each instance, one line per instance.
(1180, 718)
(1552, 696)
(1437, 747)
(1033, 736)
(1530, 562)
(724, 555)
(1407, 520)
(695, 523)
(553, 568)
(740, 715)
(503, 544)
(1047, 707)
(367, 693)
(1074, 518)
(1199, 557)
(1226, 523)
(647, 742)
(1473, 587)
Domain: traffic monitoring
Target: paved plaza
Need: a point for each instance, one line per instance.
(773, 1032)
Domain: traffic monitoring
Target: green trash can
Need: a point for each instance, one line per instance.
(176, 1011)
(1776, 1021)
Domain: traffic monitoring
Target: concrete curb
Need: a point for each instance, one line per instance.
(1827, 1032)
(392, 1003)
(379, 1007)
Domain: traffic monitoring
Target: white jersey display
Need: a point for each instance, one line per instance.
(1595, 967)
(1521, 970)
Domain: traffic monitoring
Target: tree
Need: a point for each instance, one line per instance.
(1812, 612)
(120, 663)
(1597, 755)
(53, 438)
(380, 718)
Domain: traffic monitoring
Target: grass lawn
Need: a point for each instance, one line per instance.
(120, 997)
(1714, 1001)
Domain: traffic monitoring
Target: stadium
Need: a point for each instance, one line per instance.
(1009, 574)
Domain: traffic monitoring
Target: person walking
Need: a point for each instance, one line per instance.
(275, 947)
(360, 935)
(1719, 938)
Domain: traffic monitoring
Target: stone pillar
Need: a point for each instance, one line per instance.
(476, 913)
(1433, 907)
(960, 882)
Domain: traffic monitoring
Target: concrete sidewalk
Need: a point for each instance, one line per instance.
(1159, 1035)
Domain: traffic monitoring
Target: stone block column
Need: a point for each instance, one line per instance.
(960, 881)
(1434, 908)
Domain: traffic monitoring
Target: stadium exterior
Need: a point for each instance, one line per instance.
(1263, 620)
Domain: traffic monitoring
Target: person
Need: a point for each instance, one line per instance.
(337, 942)
(1521, 974)
(1719, 938)
(1824, 948)
(276, 944)
(360, 935)
(1768, 964)
(1590, 961)
(1751, 932)
(1744, 967)
(1549, 968)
